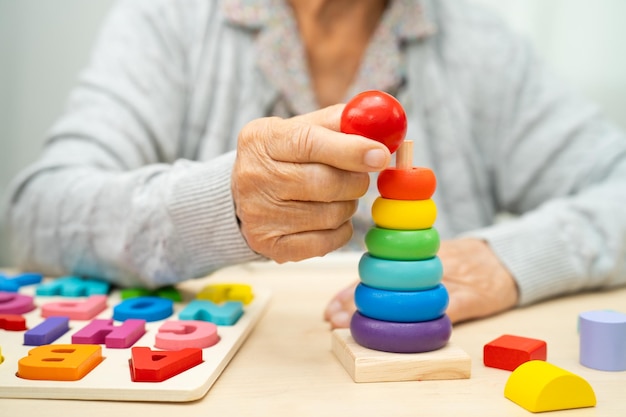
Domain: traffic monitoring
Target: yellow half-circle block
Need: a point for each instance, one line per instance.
(540, 386)
(404, 214)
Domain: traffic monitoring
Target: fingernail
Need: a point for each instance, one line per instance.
(375, 158)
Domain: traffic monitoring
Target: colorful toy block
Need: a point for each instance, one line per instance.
(168, 292)
(400, 275)
(401, 304)
(72, 286)
(103, 331)
(398, 297)
(13, 284)
(177, 335)
(539, 386)
(407, 183)
(508, 352)
(66, 342)
(12, 322)
(402, 245)
(603, 340)
(148, 365)
(47, 331)
(400, 337)
(144, 308)
(59, 362)
(220, 293)
(14, 303)
(225, 314)
(76, 310)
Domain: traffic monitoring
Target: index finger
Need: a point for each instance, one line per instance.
(315, 138)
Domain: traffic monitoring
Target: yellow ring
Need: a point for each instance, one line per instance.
(404, 214)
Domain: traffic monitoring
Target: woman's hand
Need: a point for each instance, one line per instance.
(296, 183)
(478, 284)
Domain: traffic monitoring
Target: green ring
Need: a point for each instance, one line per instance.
(402, 245)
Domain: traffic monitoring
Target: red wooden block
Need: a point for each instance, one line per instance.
(508, 352)
(148, 365)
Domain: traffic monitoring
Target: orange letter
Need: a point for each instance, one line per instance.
(59, 362)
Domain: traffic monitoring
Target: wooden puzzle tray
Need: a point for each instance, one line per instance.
(111, 378)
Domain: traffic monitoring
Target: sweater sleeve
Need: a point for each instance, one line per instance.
(109, 197)
(560, 168)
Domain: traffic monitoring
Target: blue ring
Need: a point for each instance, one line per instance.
(401, 306)
(387, 274)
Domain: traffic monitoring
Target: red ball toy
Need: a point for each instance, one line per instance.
(375, 115)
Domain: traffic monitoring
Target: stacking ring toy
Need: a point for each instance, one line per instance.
(385, 274)
(416, 183)
(404, 214)
(400, 337)
(402, 245)
(401, 306)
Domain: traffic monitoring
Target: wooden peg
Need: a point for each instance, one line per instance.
(404, 155)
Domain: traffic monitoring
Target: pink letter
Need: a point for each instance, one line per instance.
(177, 335)
(104, 331)
(76, 310)
(14, 303)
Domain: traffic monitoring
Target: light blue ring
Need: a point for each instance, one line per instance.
(401, 306)
(387, 274)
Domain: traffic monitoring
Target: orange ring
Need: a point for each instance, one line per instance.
(416, 183)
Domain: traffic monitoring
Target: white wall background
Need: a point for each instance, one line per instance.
(44, 44)
(583, 41)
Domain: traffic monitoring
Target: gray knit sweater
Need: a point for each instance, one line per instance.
(134, 182)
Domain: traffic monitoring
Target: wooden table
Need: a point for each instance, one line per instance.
(286, 366)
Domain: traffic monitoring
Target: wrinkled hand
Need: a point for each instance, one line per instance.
(296, 183)
(478, 284)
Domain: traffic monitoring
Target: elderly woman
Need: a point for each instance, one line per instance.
(204, 134)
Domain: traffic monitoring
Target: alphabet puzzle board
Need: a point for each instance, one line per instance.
(111, 378)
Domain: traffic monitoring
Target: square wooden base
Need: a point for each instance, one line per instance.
(367, 365)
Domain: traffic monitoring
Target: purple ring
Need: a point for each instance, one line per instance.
(388, 336)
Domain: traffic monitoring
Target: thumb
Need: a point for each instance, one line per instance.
(315, 138)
